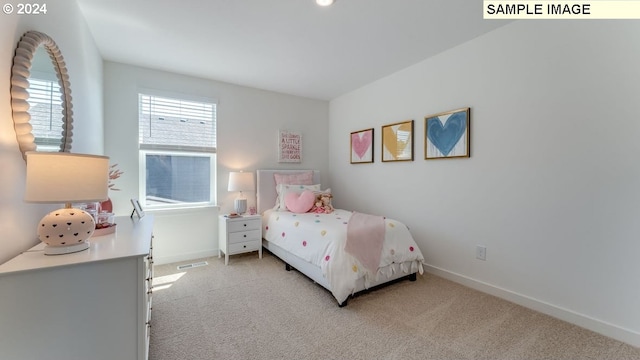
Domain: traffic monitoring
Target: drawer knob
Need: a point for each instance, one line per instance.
(245, 235)
(245, 246)
(244, 224)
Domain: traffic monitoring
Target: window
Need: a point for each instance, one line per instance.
(45, 108)
(177, 151)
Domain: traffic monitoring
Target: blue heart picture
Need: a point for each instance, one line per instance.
(445, 137)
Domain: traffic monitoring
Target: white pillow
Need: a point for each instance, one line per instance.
(282, 190)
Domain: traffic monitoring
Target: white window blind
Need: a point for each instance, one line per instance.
(176, 124)
(45, 108)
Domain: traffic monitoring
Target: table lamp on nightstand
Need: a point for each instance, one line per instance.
(241, 181)
(58, 177)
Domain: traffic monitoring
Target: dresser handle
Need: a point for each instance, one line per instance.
(245, 225)
(245, 246)
(245, 235)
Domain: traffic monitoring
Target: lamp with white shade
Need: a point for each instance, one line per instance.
(58, 177)
(241, 181)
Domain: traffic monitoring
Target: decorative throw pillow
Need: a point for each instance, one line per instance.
(283, 189)
(299, 202)
(303, 178)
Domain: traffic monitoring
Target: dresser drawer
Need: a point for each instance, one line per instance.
(235, 226)
(244, 247)
(242, 236)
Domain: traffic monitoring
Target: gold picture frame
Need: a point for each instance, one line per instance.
(362, 146)
(397, 141)
(447, 135)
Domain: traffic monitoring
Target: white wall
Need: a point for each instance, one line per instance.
(247, 130)
(551, 188)
(64, 23)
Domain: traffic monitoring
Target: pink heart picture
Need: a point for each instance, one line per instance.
(361, 146)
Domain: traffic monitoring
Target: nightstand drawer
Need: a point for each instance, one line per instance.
(254, 224)
(244, 247)
(242, 236)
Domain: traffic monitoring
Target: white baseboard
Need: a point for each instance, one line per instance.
(601, 327)
(161, 260)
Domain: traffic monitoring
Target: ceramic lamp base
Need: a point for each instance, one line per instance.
(66, 231)
(240, 206)
(61, 250)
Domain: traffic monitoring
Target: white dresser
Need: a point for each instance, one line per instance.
(94, 304)
(239, 235)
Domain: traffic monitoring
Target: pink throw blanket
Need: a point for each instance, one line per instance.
(365, 237)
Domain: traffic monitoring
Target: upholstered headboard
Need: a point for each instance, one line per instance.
(266, 190)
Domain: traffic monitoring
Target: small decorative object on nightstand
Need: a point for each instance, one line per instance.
(237, 235)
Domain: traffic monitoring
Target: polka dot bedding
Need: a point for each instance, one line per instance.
(320, 239)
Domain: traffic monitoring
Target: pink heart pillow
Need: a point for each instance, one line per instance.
(299, 202)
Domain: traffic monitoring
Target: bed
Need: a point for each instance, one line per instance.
(314, 243)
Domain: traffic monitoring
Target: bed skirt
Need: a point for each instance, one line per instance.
(315, 273)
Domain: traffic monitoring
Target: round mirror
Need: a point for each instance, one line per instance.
(41, 95)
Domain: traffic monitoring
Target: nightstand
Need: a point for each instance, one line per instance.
(239, 235)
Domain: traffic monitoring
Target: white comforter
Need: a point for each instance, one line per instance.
(320, 239)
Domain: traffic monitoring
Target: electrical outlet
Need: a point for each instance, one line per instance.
(481, 252)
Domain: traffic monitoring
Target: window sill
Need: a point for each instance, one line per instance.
(178, 210)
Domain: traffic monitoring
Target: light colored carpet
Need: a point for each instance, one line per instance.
(254, 309)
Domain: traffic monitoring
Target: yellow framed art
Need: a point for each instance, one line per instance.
(397, 141)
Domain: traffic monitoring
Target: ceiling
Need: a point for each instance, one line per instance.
(289, 46)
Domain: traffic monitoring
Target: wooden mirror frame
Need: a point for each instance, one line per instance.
(20, 73)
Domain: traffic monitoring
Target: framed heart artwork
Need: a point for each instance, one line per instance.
(397, 141)
(362, 146)
(447, 135)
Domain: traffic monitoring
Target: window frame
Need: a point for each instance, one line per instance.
(159, 150)
(46, 143)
